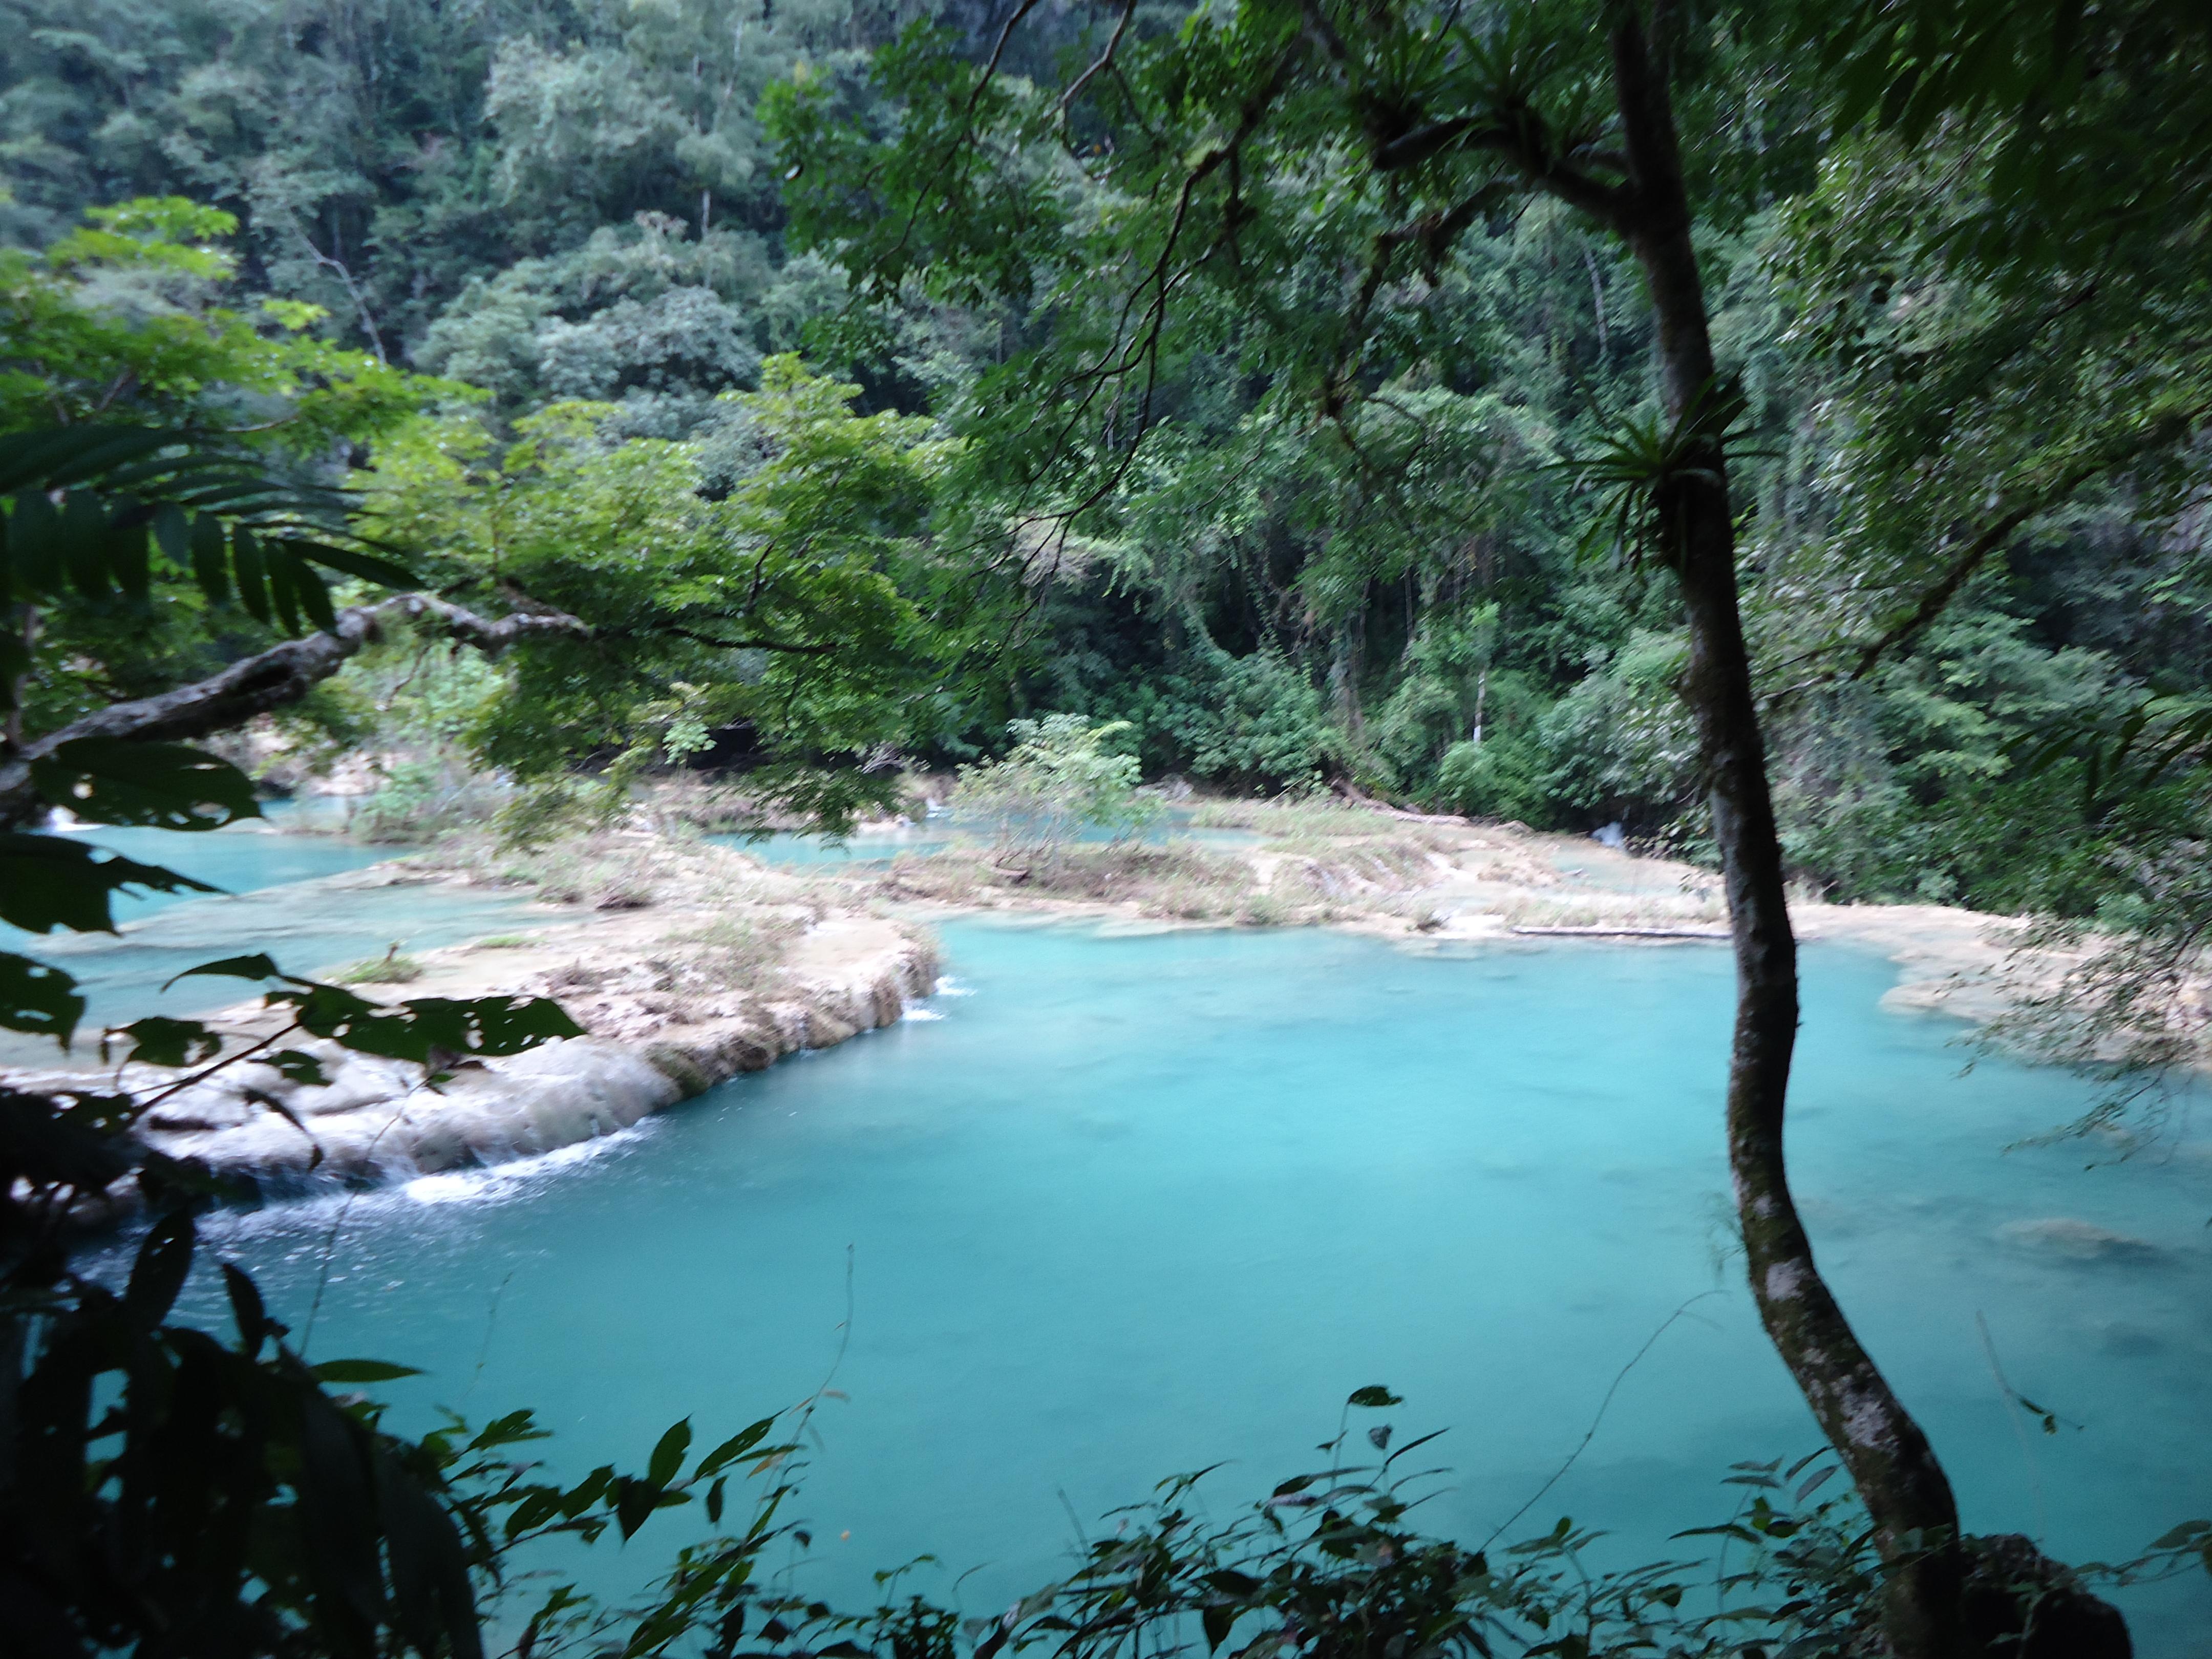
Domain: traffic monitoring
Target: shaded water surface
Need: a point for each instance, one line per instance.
(1116, 1207)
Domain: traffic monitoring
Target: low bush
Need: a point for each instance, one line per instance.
(1059, 781)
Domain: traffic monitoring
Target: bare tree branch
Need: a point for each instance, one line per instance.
(332, 263)
(271, 679)
(1938, 595)
(1105, 60)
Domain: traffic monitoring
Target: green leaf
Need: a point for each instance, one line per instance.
(1375, 1396)
(361, 1370)
(509, 1026)
(53, 458)
(35, 546)
(428, 1026)
(366, 567)
(512, 1429)
(734, 1448)
(296, 1066)
(173, 534)
(249, 573)
(587, 1491)
(210, 559)
(164, 786)
(668, 1454)
(37, 998)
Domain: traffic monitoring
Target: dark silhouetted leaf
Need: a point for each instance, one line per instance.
(366, 567)
(163, 785)
(48, 881)
(432, 1603)
(253, 967)
(158, 1040)
(734, 1448)
(668, 1454)
(249, 573)
(37, 998)
(246, 1308)
(35, 546)
(340, 1535)
(1217, 1618)
(211, 558)
(158, 1274)
(634, 1501)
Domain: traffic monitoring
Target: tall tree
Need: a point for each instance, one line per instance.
(1277, 188)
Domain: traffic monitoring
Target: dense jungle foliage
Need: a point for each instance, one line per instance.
(566, 205)
(1293, 396)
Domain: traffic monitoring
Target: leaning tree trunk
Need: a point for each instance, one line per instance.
(1898, 1477)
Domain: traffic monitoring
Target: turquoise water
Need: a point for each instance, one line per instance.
(274, 900)
(1133, 1205)
(881, 846)
(241, 860)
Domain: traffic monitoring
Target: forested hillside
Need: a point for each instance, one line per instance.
(572, 435)
(561, 202)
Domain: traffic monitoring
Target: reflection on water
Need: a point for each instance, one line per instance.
(1138, 1205)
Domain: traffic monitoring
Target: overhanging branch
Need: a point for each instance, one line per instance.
(271, 679)
(1962, 569)
(783, 646)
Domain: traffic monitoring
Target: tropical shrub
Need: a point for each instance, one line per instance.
(1059, 780)
(1254, 721)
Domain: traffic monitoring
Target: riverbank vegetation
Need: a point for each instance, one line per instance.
(1256, 608)
(1772, 433)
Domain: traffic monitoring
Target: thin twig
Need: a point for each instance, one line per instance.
(1591, 1433)
(1104, 61)
(2011, 1398)
(483, 1353)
